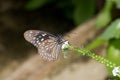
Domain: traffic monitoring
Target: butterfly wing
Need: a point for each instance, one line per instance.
(49, 50)
(47, 44)
(36, 37)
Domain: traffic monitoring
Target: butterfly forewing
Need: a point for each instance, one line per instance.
(36, 37)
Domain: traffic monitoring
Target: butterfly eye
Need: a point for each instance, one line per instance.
(48, 45)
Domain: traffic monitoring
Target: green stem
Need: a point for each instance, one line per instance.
(92, 55)
(108, 5)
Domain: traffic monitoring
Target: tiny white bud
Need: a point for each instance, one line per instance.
(65, 45)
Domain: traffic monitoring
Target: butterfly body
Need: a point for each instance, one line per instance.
(48, 45)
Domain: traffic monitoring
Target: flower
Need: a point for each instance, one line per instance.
(116, 71)
(65, 45)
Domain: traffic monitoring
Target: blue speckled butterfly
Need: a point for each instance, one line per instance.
(49, 46)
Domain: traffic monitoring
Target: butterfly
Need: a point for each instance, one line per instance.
(48, 45)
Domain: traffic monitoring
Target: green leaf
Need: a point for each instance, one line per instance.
(113, 53)
(84, 9)
(97, 42)
(34, 4)
(117, 3)
(103, 19)
(113, 31)
(104, 16)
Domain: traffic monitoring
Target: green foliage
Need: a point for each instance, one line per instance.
(84, 10)
(113, 52)
(96, 43)
(77, 10)
(103, 19)
(113, 66)
(117, 3)
(112, 36)
(35, 4)
(104, 16)
(113, 31)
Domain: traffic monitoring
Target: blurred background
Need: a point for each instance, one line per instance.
(57, 17)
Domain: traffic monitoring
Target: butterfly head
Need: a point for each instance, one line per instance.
(60, 39)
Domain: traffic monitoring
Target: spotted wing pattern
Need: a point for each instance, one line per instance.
(47, 44)
(36, 37)
(49, 50)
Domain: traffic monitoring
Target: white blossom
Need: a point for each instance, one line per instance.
(116, 71)
(65, 45)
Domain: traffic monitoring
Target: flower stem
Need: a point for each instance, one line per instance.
(93, 55)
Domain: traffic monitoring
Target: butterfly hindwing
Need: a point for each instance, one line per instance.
(48, 50)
